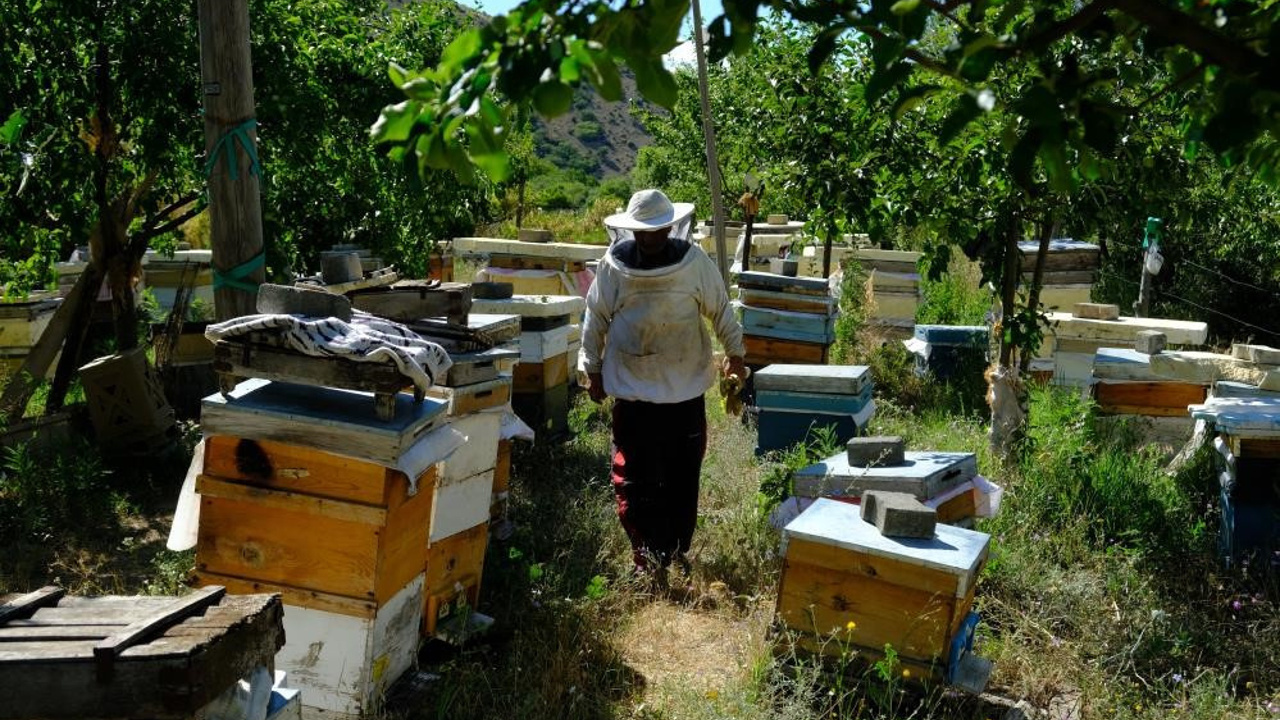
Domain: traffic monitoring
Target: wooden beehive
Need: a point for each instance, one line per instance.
(1249, 445)
(454, 568)
(912, 594)
(128, 657)
(472, 398)
(793, 401)
(326, 531)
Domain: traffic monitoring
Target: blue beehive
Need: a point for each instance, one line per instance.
(795, 400)
(949, 350)
(1249, 435)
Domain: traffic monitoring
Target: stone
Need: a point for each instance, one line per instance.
(777, 220)
(779, 266)
(876, 451)
(898, 514)
(533, 235)
(1150, 342)
(1096, 311)
(301, 300)
(1260, 354)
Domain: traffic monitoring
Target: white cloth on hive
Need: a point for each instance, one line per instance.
(365, 339)
(186, 517)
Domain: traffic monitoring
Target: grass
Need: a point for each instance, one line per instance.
(1103, 596)
(570, 226)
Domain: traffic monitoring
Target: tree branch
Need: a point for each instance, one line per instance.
(1213, 46)
(173, 224)
(175, 206)
(1067, 26)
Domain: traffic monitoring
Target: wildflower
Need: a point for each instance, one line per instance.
(1137, 707)
(1177, 677)
(1235, 605)
(850, 626)
(713, 694)
(906, 673)
(1248, 685)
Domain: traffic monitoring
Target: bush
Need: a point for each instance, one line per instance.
(588, 131)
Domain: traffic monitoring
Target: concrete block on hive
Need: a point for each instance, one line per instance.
(1096, 311)
(295, 300)
(898, 514)
(876, 451)
(1150, 342)
(1260, 354)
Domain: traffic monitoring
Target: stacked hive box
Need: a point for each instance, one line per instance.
(21, 325)
(945, 481)
(892, 288)
(735, 231)
(533, 268)
(785, 319)
(1124, 385)
(812, 258)
(165, 274)
(1248, 444)
(1069, 270)
(840, 575)
(1072, 341)
(946, 351)
(305, 493)
(796, 400)
(550, 338)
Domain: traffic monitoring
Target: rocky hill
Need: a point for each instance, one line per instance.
(598, 137)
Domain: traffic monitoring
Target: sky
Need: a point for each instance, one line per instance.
(710, 9)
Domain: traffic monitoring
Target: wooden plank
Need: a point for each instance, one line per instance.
(782, 283)
(890, 570)
(410, 301)
(320, 417)
(287, 547)
(787, 301)
(295, 468)
(295, 596)
(402, 544)
(850, 380)
(285, 365)
(502, 467)
(1206, 367)
(24, 606)
(1169, 398)
(481, 246)
(209, 486)
(21, 385)
(533, 306)
(766, 351)
(106, 651)
(914, 622)
(51, 633)
(468, 399)
(1248, 447)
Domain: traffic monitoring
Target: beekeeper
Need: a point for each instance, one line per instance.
(645, 344)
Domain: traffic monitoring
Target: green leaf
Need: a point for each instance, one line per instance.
(598, 587)
(399, 76)
(462, 50)
(395, 122)
(823, 46)
(608, 81)
(552, 98)
(569, 69)
(962, 113)
(495, 164)
(655, 83)
(12, 128)
(911, 99)
(903, 7)
(884, 80)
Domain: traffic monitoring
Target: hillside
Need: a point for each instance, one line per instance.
(597, 137)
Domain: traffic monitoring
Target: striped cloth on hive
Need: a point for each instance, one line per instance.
(366, 338)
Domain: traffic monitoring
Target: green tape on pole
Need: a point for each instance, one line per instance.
(1152, 232)
(235, 277)
(226, 145)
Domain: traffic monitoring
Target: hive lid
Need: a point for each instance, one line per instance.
(827, 379)
(1243, 416)
(924, 474)
(952, 550)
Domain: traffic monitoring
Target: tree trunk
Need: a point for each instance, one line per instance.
(235, 210)
(709, 137)
(1005, 396)
(1037, 279)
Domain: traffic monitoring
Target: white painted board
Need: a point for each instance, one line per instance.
(536, 347)
(479, 449)
(460, 506)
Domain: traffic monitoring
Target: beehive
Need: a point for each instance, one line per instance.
(912, 594)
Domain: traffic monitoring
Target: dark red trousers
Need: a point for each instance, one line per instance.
(657, 464)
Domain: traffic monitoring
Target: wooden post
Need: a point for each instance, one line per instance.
(1151, 245)
(709, 136)
(235, 208)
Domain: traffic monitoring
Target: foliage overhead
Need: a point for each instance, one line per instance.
(1216, 55)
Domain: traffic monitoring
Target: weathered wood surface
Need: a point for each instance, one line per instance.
(476, 367)
(1245, 417)
(1062, 297)
(1063, 254)
(536, 347)
(478, 246)
(323, 418)
(1231, 388)
(533, 306)
(784, 325)
(540, 377)
(954, 552)
(830, 379)
(787, 301)
(1204, 367)
(144, 629)
(467, 399)
(1122, 364)
(781, 283)
(24, 606)
(1062, 277)
(13, 401)
(767, 351)
(884, 281)
(411, 301)
(171, 676)
(455, 567)
(521, 262)
(823, 403)
(875, 255)
(1261, 354)
(1157, 399)
(925, 474)
(894, 305)
(1179, 332)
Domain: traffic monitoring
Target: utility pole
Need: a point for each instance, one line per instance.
(231, 145)
(1152, 261)
(709, 135)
